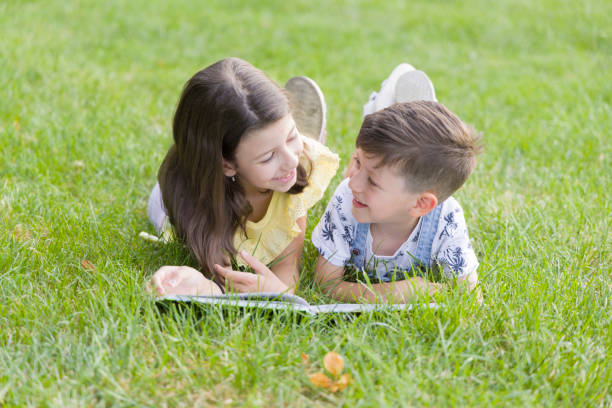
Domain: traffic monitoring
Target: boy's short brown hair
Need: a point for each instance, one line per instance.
(425, 142)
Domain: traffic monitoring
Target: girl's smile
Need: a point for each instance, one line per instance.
(287, 178)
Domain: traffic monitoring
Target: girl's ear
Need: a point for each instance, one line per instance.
(425, 203)
(229, 169)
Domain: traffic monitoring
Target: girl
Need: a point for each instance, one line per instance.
(239, 178)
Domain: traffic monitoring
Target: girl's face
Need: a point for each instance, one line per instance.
(267, 158)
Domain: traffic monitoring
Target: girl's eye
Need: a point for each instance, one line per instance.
(268, 159)
(372, 182)
(357, 162)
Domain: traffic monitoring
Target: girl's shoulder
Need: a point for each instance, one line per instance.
(321, 164)
(318, 158)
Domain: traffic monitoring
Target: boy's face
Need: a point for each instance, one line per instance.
(380, 195)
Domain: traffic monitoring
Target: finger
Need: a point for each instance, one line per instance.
(166, 276)
(158, 279)
(221, 275)
(237, 276)
(219, 270)
(232, 280)
(228, 273)
(255, 263)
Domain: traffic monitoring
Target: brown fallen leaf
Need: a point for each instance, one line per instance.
(320, 380)
(333, 363)
(343, 382)
(88, 266)
(305, 358)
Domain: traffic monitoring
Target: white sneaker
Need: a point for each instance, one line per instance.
(307, 107)
(414, 86)
(405, 84)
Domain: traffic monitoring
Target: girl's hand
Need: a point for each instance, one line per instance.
(263, 280)
(181, 280)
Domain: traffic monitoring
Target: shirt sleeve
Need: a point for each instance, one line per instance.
(333, 235)
(455, 252)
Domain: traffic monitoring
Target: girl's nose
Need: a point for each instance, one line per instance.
(291, 158)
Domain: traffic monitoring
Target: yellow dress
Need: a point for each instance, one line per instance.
(269, 237)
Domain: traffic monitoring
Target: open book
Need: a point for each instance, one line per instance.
(276, 301)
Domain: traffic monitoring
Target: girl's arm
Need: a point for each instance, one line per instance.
(281, 278)
(331, 279)
(287, 268)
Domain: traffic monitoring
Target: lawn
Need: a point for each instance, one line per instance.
(87, 94)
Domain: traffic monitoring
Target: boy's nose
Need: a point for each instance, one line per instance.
(355, 182)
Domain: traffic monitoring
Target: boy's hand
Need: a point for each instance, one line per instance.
(263, 280)
(181, 280)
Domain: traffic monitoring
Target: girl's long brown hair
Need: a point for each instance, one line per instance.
(218, 105)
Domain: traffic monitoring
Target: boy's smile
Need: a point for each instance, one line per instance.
(358, 204)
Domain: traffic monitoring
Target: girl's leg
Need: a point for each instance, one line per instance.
(155, 209)
(307, 107)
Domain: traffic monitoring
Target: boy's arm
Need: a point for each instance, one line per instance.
(331, 279)
(469, 283)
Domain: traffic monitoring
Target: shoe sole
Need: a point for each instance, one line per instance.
(386, 95)
(307, 107)
(414, 86)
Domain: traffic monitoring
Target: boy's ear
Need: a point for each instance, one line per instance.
(228, 168)
(425, 203)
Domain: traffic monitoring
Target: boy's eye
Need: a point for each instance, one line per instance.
(357, 162)
(372, 182)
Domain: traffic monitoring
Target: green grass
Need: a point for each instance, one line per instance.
(87, 93)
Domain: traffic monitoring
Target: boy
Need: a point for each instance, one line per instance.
(395, 212)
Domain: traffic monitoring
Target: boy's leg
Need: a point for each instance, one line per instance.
(414, 86)
(404, 84)
(307, 107)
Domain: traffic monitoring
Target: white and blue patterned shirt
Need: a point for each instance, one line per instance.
(333, 237)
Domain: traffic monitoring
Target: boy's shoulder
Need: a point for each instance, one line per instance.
(451, 224)
(451, 205)
(451, 211)
(451, 245)
(342, 199)
(343, 188)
